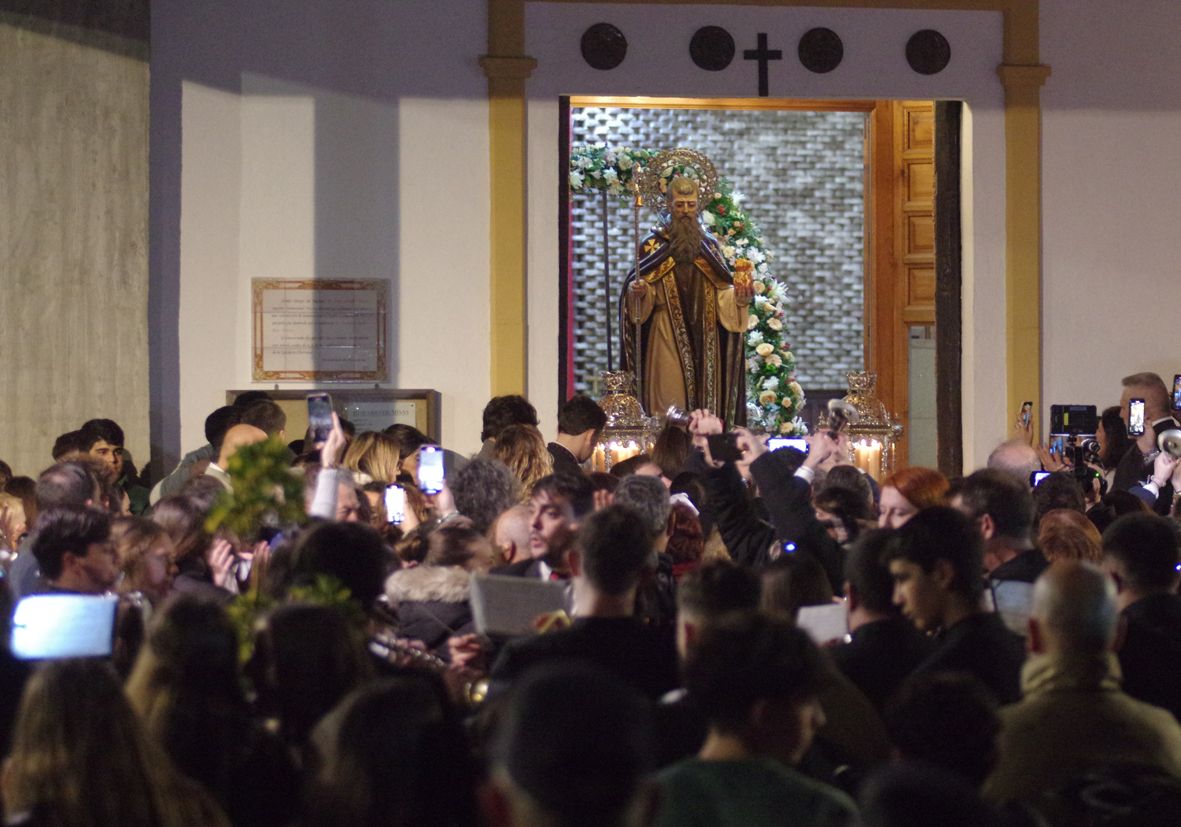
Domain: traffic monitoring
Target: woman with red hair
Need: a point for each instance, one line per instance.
(907, 492)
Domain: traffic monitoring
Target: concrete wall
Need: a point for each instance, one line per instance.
(73, 225)
(1111, 205)
(312, 139)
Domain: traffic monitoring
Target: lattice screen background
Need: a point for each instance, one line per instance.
(801, 175)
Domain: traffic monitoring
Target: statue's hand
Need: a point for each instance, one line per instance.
(744, 292)
(639, 287)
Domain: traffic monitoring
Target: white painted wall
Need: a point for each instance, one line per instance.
(874, 66)
(313, 139)
(1111, 138)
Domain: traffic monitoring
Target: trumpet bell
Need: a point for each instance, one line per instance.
(840, 412)
(1170, 442)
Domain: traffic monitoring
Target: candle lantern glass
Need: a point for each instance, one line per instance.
(874, 436)
(628, 432)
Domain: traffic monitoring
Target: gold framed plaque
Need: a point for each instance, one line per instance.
(306, 330)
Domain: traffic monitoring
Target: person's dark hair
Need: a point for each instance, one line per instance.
(850, 507)
(1002, 497)
(718, 587)
(868, 571)
(68, 443)
(107, 430)
(68, 483)
(502, 411)
(203, 490)
(247, 398)
(1059, 490)
(672, 450)
(579, 414)
(265, 415)
(483, 489)
(391, 753)
(576, 740)
(1118, 441)
(629, 465)
(577, 491)
(692, 486)
(5, 475)
(943, 533)
(648, 497)
(1145, 546)
(453, 545)
(409, 438)
(306, 658)
(792, 582)
(26, 489)
(216, 425)
(743, 658)
(920, 795)
(949, 720)
(602, 481)
(353, 553)
(415, 544)
(183, 517)
(67, 529)
(186, 689)
(850, 478)
(615, 546)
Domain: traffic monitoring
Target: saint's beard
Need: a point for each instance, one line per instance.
(684, 238)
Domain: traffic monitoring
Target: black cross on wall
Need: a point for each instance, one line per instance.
(762, 55)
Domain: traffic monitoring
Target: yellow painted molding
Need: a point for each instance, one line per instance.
(507, 68)
(1015, 77)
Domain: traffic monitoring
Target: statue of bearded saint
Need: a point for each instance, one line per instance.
(690, 314)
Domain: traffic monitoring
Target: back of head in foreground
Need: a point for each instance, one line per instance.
(1073, 611)
(1141, 552)
(572, 750)
(80, 757)
(391, 754)
(755, 678)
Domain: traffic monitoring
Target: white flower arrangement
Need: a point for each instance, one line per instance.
(600, 168)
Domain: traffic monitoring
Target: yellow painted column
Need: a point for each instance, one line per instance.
(1023, 232)
(507, 69)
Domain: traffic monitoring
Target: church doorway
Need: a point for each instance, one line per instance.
(843, 193)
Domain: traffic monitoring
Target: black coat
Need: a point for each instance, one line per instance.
(431, 603)
(982, 646)
(1150, 656)
(880, 657)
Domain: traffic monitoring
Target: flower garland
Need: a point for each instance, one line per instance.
(774, 398)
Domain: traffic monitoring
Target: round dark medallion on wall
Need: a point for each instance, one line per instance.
(712, 48)
(603, 46)
(821, 50)
(928, 52)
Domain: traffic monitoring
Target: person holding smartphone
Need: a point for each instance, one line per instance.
(1136, 464)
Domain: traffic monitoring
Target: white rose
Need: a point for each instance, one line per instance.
(611, 175)
(576, 179)
(754, 338)
(771, 383)
(774, 323)
(767, 398)
(708, 218)
(625, 161)
(764, 349)
(755, 255)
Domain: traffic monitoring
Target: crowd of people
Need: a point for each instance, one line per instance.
(1004, 653)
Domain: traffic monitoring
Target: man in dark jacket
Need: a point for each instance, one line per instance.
(936, 564)
(580, 422)
(1140, 554)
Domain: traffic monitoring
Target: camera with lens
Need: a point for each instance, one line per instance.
(1072, 439)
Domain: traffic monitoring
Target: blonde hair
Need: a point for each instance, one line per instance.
(374, 454)
(522, 448)
(134, 537)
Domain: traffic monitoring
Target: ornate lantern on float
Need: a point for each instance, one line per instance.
(873, 434)
(628, 432)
